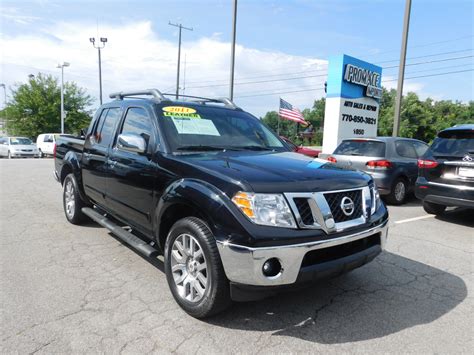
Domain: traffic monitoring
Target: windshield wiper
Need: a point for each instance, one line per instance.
(253, 147)
(201, 148)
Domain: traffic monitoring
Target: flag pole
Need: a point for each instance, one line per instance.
(278, 123)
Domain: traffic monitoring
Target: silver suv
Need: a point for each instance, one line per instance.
(391, 161)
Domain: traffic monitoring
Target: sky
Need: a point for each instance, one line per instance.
(286, 39)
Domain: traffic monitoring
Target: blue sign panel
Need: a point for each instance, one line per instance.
(352, 78)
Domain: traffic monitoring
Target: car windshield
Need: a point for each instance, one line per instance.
(20, 141)
(453, 143)
(365, 148)
(213, 128)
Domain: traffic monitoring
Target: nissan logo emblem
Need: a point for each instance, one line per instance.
(467, 157)
(347, 206)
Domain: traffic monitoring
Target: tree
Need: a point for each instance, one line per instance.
(35, 107)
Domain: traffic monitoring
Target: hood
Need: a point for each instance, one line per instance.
(274, 172)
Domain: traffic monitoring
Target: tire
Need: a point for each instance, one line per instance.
(433, 208)
(194, 269)
(72, 202)
(398, 192)
(9, 156)
(40, 155)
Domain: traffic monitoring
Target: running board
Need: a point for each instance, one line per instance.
(141, 246)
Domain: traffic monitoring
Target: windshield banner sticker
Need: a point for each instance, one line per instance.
(188, 126)
(179, 109)
(181, 115)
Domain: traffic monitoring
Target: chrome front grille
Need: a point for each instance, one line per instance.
(334, 200)
(322, 210)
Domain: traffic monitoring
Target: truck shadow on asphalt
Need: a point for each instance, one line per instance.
(389, 295)
(461, 216)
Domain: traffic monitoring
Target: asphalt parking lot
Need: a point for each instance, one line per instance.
(65, 288)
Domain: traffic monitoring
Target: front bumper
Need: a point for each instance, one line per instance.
(244, 265)
(24, 155)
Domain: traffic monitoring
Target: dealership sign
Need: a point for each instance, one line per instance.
(352, 102)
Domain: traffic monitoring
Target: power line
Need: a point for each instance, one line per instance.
(321, 75)
(431, 61)
(317, 70)
(319, 88)
(428, 55)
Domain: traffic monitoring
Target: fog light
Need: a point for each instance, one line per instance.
(271, 267)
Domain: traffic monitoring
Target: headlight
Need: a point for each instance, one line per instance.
(265, 209)
(374, 193)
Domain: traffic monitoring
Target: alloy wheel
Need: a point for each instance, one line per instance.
(189, 268)
(69, 199)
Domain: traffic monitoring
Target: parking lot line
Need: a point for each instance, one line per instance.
(413, 219)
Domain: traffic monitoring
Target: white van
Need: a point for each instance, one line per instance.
(45, 143)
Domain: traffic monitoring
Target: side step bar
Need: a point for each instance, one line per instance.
(141, 246)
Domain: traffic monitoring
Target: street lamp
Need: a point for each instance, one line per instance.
(64, 64)
(103, 40)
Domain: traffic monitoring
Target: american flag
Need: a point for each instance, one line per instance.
(287, 111)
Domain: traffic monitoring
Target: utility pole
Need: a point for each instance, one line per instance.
(401, 70)
(2, 85)
(232, 55)
(65, 64)
(103, 40)
(180, 26)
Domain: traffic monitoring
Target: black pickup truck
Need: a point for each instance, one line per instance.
(236, 215)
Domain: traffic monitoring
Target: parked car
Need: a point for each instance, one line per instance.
(300, 149)
(45, 143)
(235, 214)
(17, 147)
(446, 171)
(391, 161)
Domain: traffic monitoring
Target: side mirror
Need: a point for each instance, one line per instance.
(131, 142)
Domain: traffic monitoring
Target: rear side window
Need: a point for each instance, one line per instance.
(453, 143)
(48, 138)
(105, 127)
(405, 149)
(361, 147)
(420, 148)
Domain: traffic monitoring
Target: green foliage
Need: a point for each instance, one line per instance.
(422, 119)
(289, 129)
(419, 119)
(35, 107)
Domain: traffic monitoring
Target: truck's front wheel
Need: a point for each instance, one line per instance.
(72, 201)
(194, 269)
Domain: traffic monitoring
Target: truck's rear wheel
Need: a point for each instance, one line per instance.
(72, 201)
(194, 269)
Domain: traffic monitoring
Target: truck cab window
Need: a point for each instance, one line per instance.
(137, 122)
(105, 128)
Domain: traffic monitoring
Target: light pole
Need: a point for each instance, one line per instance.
(64, 64)
(2, 85)
(103, 40)
(401, 70)
(232, 54)
(180, 26)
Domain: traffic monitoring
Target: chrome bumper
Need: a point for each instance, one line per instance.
(244, 264)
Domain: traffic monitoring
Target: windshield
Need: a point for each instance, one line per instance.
(211, 128)
(361, 147)
(20, 141)
(453, 143)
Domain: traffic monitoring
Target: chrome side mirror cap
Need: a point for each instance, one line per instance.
(131, 142)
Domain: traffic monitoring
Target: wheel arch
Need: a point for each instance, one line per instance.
(185, 198)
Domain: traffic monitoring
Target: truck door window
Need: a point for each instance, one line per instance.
(106, 125)
(138, 122)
